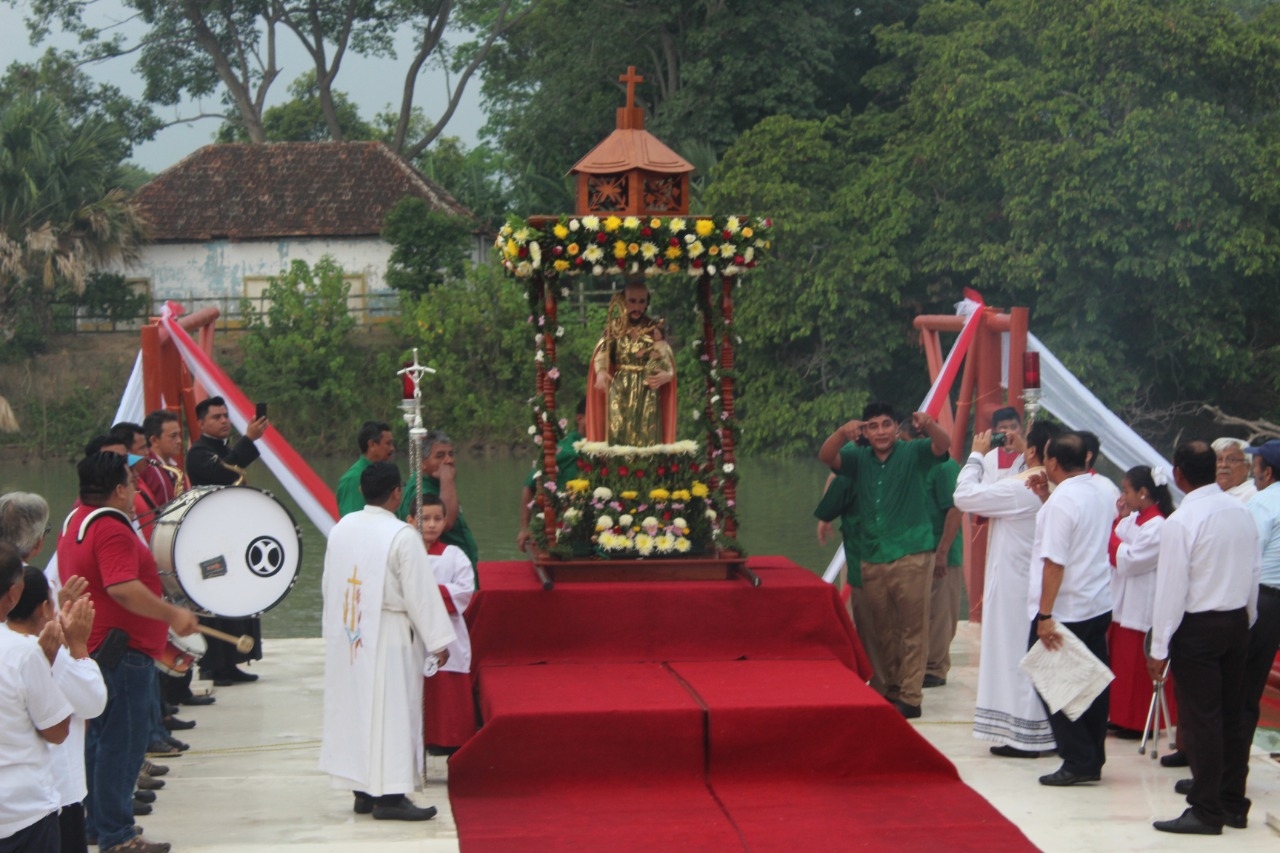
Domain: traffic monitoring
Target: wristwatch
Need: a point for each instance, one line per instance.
(1043, 617)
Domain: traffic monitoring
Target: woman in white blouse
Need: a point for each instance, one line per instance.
(1135, 548)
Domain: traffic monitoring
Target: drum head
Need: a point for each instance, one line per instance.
(236, 551)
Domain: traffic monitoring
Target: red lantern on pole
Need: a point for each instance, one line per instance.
(1031, 370)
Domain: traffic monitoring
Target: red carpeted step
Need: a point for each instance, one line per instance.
(586, 757)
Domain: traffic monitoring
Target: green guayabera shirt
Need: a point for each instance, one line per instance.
(841, 501)
(892, 498)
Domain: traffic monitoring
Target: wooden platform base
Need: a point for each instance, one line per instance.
(722, 566)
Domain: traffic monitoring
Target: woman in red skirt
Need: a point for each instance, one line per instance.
(1135, 550)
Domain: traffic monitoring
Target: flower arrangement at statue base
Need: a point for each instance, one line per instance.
(634, 503)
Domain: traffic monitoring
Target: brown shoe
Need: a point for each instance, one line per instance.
(149, 783)
(138, 844)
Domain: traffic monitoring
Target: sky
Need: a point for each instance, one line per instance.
(372, 84)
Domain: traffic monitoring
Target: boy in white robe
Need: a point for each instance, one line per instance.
(382, 616)
(448, 706)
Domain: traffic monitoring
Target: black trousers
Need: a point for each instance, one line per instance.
(1082, 743)
(1207, 655)
(71, 827)
(41, 837)
(1264, 640)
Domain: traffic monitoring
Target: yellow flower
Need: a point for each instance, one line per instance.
(578, 485)
(681, 495)
(593, 253)
(612, 224)
(632, 248)
(747, 232)
(695, 248)
(655, 222)
(676, 225)
(630, 496)
(673, 252)
(591, 223)
(561, 265)
(510, 249)
(659, 494)
(714, 250)
(648, 251)
(560, 231)
(699, 489)
(631, 222)
(644, 544)
(572, 249)
(682, 545)
(704, 227)
(619, 249)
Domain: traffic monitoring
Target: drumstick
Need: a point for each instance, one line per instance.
(243, 643)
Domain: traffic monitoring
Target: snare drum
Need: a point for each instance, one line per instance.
(230, 551)
(180, 653)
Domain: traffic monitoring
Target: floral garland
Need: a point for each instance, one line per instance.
(633, 245)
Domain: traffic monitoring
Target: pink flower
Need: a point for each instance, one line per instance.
(553, 373)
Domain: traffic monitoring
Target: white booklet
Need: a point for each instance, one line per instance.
(1068, 679)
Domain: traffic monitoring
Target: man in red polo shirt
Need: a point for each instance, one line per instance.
(131, 623)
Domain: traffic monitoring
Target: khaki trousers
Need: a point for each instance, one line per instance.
(896, 597)
(944, 615)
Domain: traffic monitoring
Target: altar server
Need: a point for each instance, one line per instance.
(1009, 710)
(382, 616)
(448, 706)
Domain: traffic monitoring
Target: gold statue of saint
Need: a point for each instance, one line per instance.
(631, 387)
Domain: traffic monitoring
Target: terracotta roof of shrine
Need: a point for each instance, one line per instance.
(284, 189)
(627, 149)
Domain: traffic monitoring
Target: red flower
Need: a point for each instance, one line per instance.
(622, 263)
(623, 470)
(524, 251)
(675, 468)
(675, 241)
(639, 474)
(739, 260)
(646, 231)
(604, 472)
(584, 467)
(579, 261)
(602, 237)
(726, 234)
(662, 471)
(557, 250)
(666, 516)
(697, 265)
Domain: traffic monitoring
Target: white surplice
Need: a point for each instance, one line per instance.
(453, 571)
(382, 615)
(1008, 710)
(1133, 586)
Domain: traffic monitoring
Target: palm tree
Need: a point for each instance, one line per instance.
(61, 215)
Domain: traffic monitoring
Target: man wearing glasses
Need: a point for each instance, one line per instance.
(1234, 469)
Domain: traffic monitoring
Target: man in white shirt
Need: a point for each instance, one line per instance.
(1070, 589)
(1206, 596)
(33, 713)
(1234, 469)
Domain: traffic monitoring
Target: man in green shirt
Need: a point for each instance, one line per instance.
(896, 539)
(439, 477)
(566, 470)
(376, 445)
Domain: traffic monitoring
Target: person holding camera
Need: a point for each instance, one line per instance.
(131, 624)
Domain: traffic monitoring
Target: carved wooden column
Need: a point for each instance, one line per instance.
(726, 399)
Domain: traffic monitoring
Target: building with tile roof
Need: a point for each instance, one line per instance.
(228, 217)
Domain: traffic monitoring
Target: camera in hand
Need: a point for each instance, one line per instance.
(998, 439)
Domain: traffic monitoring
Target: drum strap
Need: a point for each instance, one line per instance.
(94, 516)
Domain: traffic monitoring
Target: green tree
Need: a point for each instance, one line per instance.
(298, 355)
(61, 213)
(303, 119)
(428, 247)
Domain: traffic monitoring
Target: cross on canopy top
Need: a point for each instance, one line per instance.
(631, 78)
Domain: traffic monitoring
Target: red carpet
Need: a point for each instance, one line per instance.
(703, 715)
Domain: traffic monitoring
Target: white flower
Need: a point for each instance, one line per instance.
(574, 225)
(625, 520)
(522, 236)
(631, 222)
(650, 524)
(538, 338)
(602, 493)
(559, 331)
(711, 514)
(644, 545)
(597, 270)
(728, 467)
(696, 414)
(666, 543)
(564, 292)
(540, 357)
(715, 398)
(535, 252)
(682, 545)
(523, 269)
(604, 522)
(542, 516)
(689, 238)
(676, 224)
(679, 522)
(591, 222)
(533, 430)
(732, 225)
(572, 514)
(711, 269)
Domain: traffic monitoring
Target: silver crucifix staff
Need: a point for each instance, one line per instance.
(412, 410)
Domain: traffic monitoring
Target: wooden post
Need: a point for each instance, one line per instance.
(726, 397)
(1018, 321)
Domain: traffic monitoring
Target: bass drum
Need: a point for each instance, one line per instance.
(230, 551)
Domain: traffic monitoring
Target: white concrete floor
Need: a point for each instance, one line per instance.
(250, 783)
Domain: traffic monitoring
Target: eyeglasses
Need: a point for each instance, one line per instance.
(47, 528)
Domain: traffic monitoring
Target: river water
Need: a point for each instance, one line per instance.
(775, 504)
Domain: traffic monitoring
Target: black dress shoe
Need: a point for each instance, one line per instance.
(232, 675)
(1062, 778)
(1126, 734)
(908, 711)
(176, 744)
(1237, 821)
(402, 809)
(144, 796)
(934, 681)
(173, 724)
(1183, 786)
(1013, 752)
(149, 783)
(363, 803)
(141, 809)
(1187, 824)
(1175, 759)
(204, 699)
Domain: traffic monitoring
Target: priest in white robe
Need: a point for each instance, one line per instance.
(1008, 709)
(382, 616)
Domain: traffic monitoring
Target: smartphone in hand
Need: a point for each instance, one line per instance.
(260, 412)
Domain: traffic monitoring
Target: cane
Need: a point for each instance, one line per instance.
(1158, 714)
